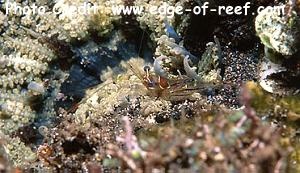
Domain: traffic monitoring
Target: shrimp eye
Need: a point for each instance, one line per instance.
(151, 84)
(146, 68)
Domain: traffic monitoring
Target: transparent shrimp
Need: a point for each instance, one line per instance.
(173, 89)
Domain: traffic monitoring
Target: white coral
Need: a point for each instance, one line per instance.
(153, 21)
(3, 21)
(30, 48)
(28, 61)
(17, 152)
(14, 111)
(77, 24)
(23, 60)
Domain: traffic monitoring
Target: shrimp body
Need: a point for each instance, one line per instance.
(173, 89)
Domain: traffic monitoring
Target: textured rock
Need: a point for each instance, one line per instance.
(277, 31)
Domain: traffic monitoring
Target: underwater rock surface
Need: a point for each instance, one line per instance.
(143, 93)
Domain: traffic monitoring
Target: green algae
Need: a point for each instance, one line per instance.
(264, 101)
(282, 106)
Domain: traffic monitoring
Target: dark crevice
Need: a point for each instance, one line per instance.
(77, 145)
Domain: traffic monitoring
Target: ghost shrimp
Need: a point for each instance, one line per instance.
(160, 84)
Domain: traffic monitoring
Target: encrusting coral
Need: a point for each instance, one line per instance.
(151, 21)
(64, 18)
(159, 22)
(24, 61)
(29, 73)
(118, 93)
(171, 57)
(16, 151)
(209, 148)
(77, 25)
(3, 21)
(176, 95)
(14, 110)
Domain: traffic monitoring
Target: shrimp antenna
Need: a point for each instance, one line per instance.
(141, 43)
(136, 73)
